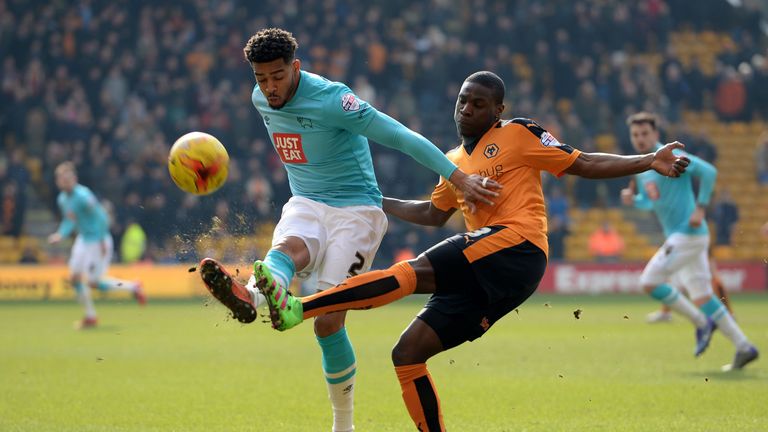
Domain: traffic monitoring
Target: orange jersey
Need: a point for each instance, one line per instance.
(513, 153)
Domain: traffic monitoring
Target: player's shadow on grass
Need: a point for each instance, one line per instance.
(101, 329)
(718, 375)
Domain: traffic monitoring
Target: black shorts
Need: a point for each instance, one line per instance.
(472, 295)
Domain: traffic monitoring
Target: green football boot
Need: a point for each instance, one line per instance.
(285, 310)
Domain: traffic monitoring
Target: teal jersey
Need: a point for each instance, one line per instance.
(81, 210)
(673, 199)
(321, 134)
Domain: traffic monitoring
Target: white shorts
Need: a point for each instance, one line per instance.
(88, 259)
(681, 260)
(342, 241)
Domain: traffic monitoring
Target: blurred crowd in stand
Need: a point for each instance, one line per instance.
(111, 85)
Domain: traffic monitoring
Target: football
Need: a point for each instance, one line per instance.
(198, 163)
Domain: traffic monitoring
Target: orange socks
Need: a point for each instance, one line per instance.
(374, 289)
(366, 291)
(420, 397)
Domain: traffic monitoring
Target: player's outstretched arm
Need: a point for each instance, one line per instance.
(418, 212)
(603, 165)
(628, 193)
(389, 132)
(632, 196)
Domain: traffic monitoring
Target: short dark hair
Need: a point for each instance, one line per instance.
(643, 117)
(270, 44)
(491, 81)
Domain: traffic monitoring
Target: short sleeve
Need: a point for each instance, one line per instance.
(443, 197)
(540, 150)
(347, 111)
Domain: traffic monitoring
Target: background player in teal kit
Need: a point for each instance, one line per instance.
(92, 249)
(684, 253)
(333, 224)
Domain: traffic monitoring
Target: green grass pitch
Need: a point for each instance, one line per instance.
(182, 366)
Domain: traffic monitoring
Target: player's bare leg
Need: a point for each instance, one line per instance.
(84, 297)
(663, 314)
(372, 289)
(672, 298)
(107, 284)
(339, 367)
(720, 292)
(339, 362)
(718, 313)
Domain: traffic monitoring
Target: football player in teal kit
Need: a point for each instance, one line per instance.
(684, 253)
(82, 212)
(333, 224)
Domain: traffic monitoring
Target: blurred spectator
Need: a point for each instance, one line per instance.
(698, 83)
(29, 255)
(14, 179)
(586, 103)
(133, 244)
(761, 158)
(677, 90)
(12, 211)
(17, 171)
(730, 95)
(587, 191)
(110, 85)
(725, 214)
(759, 89)
(557, 232)
(403, 254)
(408, 249)
(573, 131)
(703, 148)
(606, 244)
(557, 204)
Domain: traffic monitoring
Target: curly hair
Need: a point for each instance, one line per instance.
(270, 44)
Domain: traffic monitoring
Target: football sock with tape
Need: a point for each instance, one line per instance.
(281, 266)
(721, 294)
(420, 397)
(111, 284)
(365, 291)
(715, 309)
(340, 367)
(671, 297)
(84, 297)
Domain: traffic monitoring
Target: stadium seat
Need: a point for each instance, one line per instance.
(606, 143)
(724, 253)
(7, 242)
